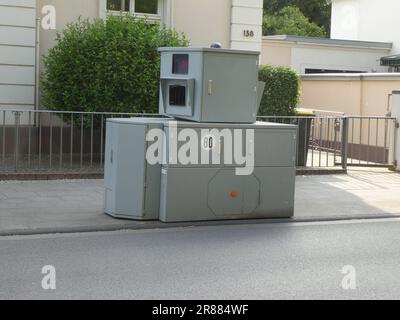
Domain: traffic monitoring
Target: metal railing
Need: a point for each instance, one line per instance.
(33, 141)
(320, 140)
(53, 141)
(371, 141)
(327, 141)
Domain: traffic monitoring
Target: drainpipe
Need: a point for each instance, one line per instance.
(170, 8)
(389, 101)
(231, 25)
(37, 63)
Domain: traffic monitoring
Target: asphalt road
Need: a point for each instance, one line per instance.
(268, 261)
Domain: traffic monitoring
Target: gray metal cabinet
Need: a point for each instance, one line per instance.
(174, 192)
(234, 88)
(214, 85)
(218, 194)
(198, 192)
(274, 144)
(132, 185)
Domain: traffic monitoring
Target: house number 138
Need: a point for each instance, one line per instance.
(248, 33)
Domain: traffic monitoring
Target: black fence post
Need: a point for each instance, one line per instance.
(345, 142)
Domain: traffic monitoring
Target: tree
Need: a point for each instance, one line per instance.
(317, 11)
(291, 21)
(274, 6)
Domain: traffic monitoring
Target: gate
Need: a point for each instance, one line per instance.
(370, 141)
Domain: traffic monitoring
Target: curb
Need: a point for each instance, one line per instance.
(154, 225)
(319, 171)
(49, 176)
(46, 176)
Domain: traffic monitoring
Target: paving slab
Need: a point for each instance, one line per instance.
(35, 207)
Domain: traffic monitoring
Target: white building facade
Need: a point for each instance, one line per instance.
(367, 20)
(314, 55)
(17, 54)
(235, 24)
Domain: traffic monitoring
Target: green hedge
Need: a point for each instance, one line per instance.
(282, 91)
(106, 65)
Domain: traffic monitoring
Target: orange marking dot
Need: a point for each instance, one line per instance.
(234, 194)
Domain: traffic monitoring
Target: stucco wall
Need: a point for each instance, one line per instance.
(66, 11)
(204, 22)
(366, 95)
(276, 54)
(332, 95)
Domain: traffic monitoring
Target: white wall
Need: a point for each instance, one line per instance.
(225, 21)
(17, 54)
(203, 22)
(367, 20)
(301, 55)
(345, 19)
(336, 58)
(246, 17)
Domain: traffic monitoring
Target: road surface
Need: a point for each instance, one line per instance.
(265, 261)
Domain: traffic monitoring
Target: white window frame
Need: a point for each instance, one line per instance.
(151, 17)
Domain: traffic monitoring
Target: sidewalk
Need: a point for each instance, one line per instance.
(34, 207)
(363, 192)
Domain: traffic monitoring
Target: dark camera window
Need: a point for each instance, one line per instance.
(180, 64)
(177, 96)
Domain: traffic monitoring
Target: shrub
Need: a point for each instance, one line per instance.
(106, 65)
(282, 91)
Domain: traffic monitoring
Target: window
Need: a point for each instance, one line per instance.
(140, 7)
(118, 5)
(146, 6)
(317, 71)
